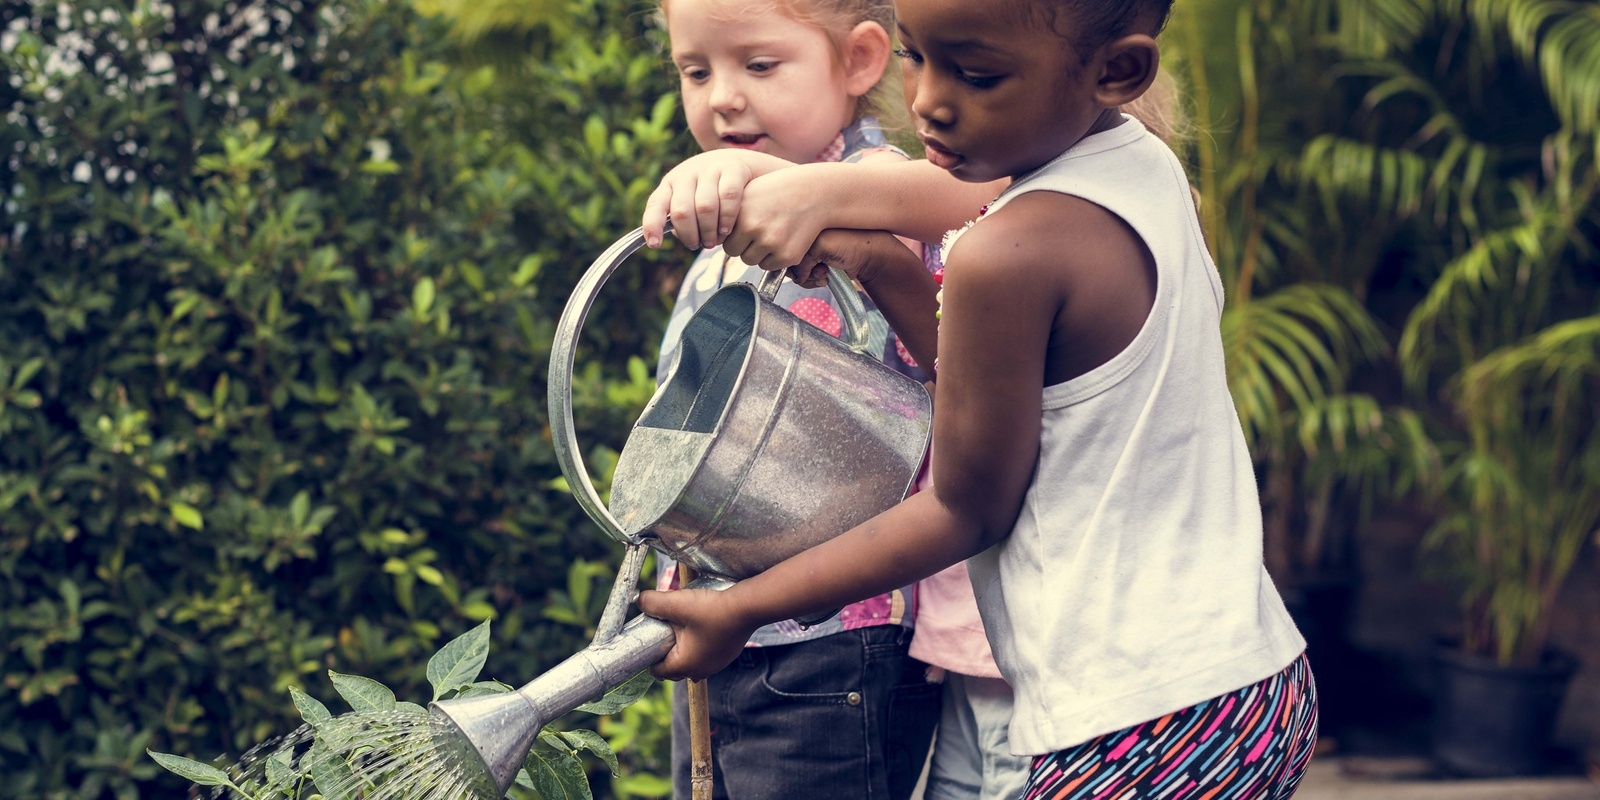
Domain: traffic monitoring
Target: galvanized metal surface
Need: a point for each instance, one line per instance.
(491, 735)
(559, 397)
(769, 437)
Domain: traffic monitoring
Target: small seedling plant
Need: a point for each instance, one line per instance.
(553, 770)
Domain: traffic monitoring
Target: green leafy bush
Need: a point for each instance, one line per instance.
(277, 283)
(321, 767)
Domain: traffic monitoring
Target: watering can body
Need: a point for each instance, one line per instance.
(767, 437)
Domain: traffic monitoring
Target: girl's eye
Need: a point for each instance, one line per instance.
(694, 74)
(908, 55)
(979, 81)
(762, 66)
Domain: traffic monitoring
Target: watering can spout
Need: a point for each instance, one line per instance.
(488, 737)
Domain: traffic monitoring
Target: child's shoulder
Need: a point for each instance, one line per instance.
(1049, 228)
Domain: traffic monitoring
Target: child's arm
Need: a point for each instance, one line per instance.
(997, 321)
(772, 207)
(891, 272)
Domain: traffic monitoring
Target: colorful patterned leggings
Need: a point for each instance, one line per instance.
(1249, 744)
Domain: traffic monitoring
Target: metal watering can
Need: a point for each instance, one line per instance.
(767, 438)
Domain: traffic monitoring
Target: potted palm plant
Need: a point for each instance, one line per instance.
(1276, 199)
(1507, 343)
(1489, 197)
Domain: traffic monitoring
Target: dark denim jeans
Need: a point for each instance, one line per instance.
(846, 716)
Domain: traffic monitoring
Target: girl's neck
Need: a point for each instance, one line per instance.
(1108, 118)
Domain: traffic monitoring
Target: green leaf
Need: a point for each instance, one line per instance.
(280, 770)
(459, 661)
(186, 515)
(311, 709)
(363, 694)
(331, 773)
(203, 774)
(422, 296)
(558, 774)
(589, 740)
(622, 696)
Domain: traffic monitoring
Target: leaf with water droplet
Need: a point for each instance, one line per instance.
(523, 779)
(459, 662)
(280, 772)
(558, 774)
(622, 696)
(411, 707)
(203, 774)
(591, 741)
(363, 694)
(311, 709)
(330, 773)
(482, 689)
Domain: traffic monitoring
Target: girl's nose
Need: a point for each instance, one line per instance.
(928, 100)
(727, 97)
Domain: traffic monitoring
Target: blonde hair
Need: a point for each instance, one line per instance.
(1161, 110)
(837, 18)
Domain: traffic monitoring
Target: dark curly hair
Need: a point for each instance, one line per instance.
(1088, 24)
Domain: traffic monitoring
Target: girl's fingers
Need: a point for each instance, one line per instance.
(655, 215)
(811, 277)
(773, 261)
(757, 255)
(707, 214)
(738, 243)
(730, 192)
(680, 208)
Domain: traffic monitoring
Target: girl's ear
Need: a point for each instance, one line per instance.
(1128, 70)
(866, 56)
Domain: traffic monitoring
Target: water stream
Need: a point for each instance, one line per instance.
(388, 755)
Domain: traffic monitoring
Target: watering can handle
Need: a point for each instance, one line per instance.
(562, 347)
(857, 335)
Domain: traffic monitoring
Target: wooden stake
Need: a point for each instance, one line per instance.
(700, 772)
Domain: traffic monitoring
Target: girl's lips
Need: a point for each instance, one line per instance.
(743, 141)
(940, 157)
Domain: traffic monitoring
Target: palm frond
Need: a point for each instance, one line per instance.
(1291, 349)
(1377, 28)
(1562, 39)
(1473, 288)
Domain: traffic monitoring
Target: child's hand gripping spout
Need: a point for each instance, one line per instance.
(710, 627)
(701, 196)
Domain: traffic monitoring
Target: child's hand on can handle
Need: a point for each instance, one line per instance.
(701, 196)
(849, 251)
(709, 626)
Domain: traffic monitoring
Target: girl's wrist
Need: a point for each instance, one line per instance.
(886, 255)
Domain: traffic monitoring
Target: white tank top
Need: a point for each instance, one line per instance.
(1132, 585)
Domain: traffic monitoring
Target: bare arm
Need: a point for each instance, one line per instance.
(784, 206)
(993, 339)
(782, 212)
(894, 275)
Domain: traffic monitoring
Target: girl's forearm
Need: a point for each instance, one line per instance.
(914, 199)
(911, 541)
(905, 292)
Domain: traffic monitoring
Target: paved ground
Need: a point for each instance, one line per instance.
(1334, 778)
(1353, 779)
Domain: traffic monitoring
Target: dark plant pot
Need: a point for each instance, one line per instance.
(1495, 721)
(1322, 606)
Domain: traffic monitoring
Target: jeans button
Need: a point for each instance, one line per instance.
(854, 698)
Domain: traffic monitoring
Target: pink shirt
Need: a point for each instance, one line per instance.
(949, 632)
